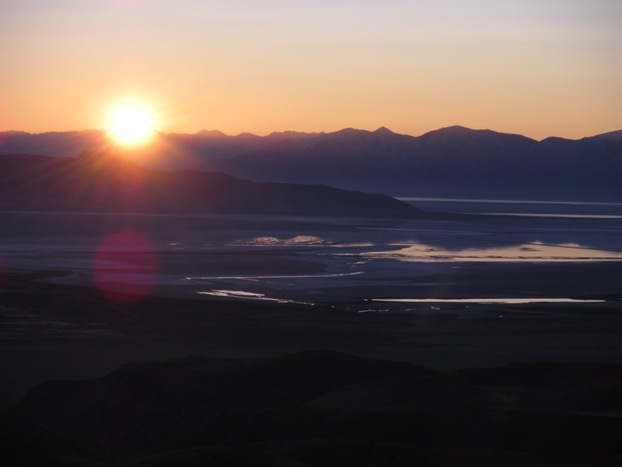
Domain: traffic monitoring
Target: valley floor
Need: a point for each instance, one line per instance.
(449, 294)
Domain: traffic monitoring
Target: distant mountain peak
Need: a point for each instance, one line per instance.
(459, 129)
(461, 132)
(292, 134)
(211, 133)
(14, 132)
(349, 132)
(455, 128)
(383, 130)
(610, 136)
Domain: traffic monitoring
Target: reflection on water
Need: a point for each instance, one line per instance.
(535, 252)
(507, 201)
(552, 216)
(240, 294)
(264, 277)
(523, 208)
(299, 240)
(332, 260)
(483, 301)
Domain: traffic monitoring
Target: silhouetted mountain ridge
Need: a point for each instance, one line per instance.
(610, 136)
(452, 161)
(95, 182)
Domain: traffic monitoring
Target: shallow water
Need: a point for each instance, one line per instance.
(534, 252)
(448, 291)
(326, 260)
(484, 301)
(533, 208)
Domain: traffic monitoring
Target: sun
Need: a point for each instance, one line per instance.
(131, 124)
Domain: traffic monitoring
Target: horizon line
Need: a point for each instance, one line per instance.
(318, 133)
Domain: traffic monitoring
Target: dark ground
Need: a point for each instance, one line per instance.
(53, 331)
(338, 403)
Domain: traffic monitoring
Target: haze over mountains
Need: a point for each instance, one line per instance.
(449, 162)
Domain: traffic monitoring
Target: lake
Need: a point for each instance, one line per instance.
(447, 291)
(536, 252)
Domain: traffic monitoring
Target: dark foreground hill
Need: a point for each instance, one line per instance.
(321, 409)
(101, 183)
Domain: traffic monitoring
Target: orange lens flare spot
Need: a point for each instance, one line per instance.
(125, 267)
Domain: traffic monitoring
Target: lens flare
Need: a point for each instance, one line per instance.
(125, 267)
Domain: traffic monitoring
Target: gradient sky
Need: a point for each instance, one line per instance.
(536, 67)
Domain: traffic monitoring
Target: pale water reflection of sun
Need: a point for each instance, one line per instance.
(130, 124)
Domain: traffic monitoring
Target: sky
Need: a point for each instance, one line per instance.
(534, 67)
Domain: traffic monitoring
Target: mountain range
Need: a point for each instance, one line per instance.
(449, 162)
(102, 183)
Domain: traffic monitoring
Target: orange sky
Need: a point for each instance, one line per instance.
(536, 67)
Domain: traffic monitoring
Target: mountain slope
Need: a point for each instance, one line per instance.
(453, 161)
(99, 183)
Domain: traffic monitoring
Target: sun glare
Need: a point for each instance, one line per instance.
(131, 124)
